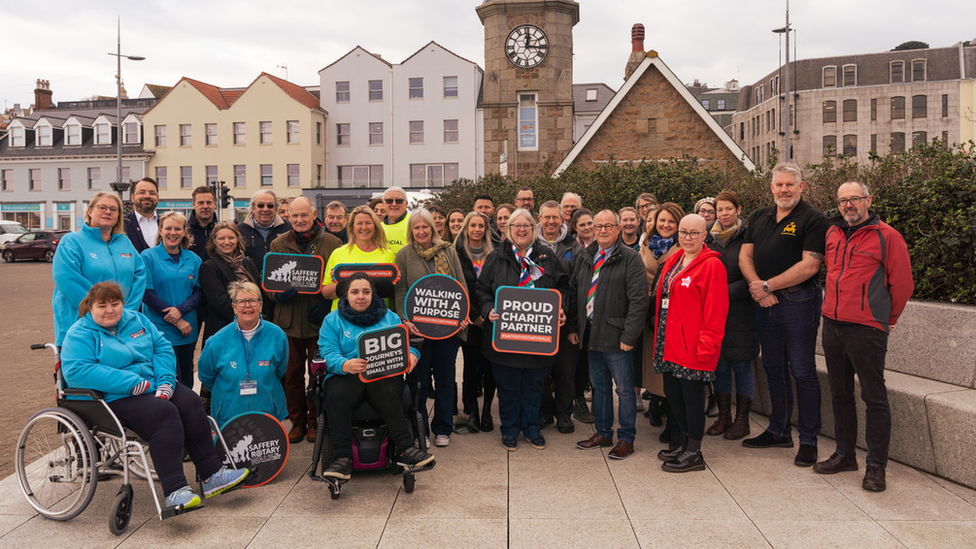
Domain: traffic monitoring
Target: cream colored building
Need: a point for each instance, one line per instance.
(269, 135)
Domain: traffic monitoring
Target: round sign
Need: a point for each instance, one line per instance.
(259, 442)
(437, 305)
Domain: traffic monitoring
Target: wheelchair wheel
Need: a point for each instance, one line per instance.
(408, 482)
(121, 512)
(55, 464)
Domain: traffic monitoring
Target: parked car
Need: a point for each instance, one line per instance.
(10, 231)
(35, 245)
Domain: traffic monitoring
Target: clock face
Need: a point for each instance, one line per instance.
(527, 46)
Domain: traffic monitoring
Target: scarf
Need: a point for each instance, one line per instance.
(441, 265)
(478, 259)
(376, 311)
(236, 263)
(723, 237)
(529, 271)
(303, 239)
(660, 246)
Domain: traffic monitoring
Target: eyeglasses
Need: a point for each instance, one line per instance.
(690, 234)
(394, 200)
(270, 206)
(247, 302)
(606, 227)
(520, 226)
(103, 209)
(853, 201)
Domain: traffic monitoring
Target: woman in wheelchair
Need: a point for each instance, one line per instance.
(358, 312)
(121, 354)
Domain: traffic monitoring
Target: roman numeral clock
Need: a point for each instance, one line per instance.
(527, 46)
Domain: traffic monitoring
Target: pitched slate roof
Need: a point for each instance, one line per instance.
(651, 59)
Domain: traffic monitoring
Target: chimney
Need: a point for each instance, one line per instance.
(637, 49)
(42, 95)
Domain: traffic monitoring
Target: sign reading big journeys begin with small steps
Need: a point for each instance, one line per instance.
(298, 271)
(528, 320)
(387, 352)
(437, 305)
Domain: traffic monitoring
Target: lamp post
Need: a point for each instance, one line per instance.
(788, 150)
(120, 186)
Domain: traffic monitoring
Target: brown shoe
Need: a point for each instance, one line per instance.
(836, 463)
(740, 426)
(595, 441)
(622, 450)
(874, 478)
(311, 433)
(724, 420)
(297, 433)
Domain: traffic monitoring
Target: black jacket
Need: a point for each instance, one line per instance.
(741, 342)
(201, 235)
(620, 301)
(501, 269)
(255, 245)
(215, 275)
(134, 232)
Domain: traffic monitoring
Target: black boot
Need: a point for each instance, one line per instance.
(670, 427)
(711, 406)
(471, 408)
(679, 443)
(486, 423)
(655, 410)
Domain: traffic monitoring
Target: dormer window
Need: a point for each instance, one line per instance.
(72, 134)
(17, 138)
(44, 135)
(591, 94)
(103, 134)
(829, 77)
(131, 133)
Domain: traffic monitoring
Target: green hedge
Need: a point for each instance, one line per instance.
(928, 194)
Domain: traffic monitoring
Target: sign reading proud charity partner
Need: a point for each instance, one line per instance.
(437, 304)
(528, 320)
(387, 352)
(299, 271)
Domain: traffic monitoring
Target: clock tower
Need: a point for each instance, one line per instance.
(527, 94)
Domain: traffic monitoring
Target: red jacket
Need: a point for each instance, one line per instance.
(697, 306)
(869, 275)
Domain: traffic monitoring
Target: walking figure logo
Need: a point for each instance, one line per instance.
(283, 273)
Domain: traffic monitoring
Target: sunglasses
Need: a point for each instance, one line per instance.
(393, 200)
(265, 206)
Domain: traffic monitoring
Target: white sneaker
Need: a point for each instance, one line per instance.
(442, 440)
(640, 403)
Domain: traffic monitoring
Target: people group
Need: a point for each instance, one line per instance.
(656, 305)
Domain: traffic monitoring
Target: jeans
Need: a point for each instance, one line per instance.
(744, 381)
(519, 395)
(605, 370)
(344, 393)
(440, 358)
(169, 426)
(788, 336)
(300, 353)
(858, 349)
(687, 400)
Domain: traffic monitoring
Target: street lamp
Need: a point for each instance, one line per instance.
(120, 186)
(788, 151)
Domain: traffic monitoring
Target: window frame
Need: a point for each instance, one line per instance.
(186, 177)
(415, 87)
(924, 64)
(265, 137)
(34, 179)
(64, 179)
(68, 129)
(896, 139)
(343, 95)
(240, 137)
(895, 109)
(849, 107)
(849, 70)
(210, 137)
(94, 175)
(267, 180)
(162, 176)
(849, 144)
(416, 128)
(829, 112)
(293, 179)
(455, 132)
(159, 135)
(343, 134)
(829, 144)
(528, 132)
(292, 132)
(920, 106)
(240, 175)
(896, 77)
(132, 139)
(186, 136)
(451, 92)
(375, 133)
(375, 94)
(833, 76)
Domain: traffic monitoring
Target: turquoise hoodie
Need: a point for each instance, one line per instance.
(173, 282)
(339, 339)
(94, 358)
(82, 260)
(228, 359)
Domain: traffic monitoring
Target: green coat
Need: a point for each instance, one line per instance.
(412, 268)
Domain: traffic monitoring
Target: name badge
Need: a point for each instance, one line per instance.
(249, 388)
(664, 303)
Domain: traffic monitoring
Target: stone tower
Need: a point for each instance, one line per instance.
(527, 94)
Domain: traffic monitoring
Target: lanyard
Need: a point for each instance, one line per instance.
(247, 347)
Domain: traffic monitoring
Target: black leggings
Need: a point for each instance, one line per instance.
(344, 393)
(477, 372)
(169, 426)
(687, 401)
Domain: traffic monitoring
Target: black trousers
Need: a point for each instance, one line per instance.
(169, 426)
(687, 401)
(559, 387)
(851, 349)
(477, 371)
(344, 393)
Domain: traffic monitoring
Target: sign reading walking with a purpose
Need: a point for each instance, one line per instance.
(528, 320)
(387, 352)
(298, 271)
(437, 305)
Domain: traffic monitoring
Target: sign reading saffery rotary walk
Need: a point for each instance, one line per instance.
(298, 271)
(528, 320)
(437, 304)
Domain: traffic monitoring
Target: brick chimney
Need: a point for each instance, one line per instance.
(43, 95)
(637, 49)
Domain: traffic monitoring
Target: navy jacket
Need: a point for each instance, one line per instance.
(134, 232)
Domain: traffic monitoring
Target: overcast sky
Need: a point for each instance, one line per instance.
(229, 43)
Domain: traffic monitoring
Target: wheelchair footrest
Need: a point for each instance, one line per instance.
(425, 468)
(174, 510)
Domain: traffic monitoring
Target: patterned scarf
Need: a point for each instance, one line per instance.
(441, 265)
(236, 263)
(660, 246)
(303, 239)
(723, 237)
(530, 272)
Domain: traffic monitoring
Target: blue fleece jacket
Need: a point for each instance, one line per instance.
(82, 260)
(174, 282)
(339, 339)
(94, 358)
(228, 359)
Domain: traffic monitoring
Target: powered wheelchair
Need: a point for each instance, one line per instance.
(64, 451)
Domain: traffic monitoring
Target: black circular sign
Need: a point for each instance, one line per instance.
(259, 442)
(437, 305)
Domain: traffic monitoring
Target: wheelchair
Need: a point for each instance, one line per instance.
(64, 451)
(372, 447)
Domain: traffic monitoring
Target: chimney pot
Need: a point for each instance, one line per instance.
(637, 37)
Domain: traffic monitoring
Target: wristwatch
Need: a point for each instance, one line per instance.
(766, 288)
